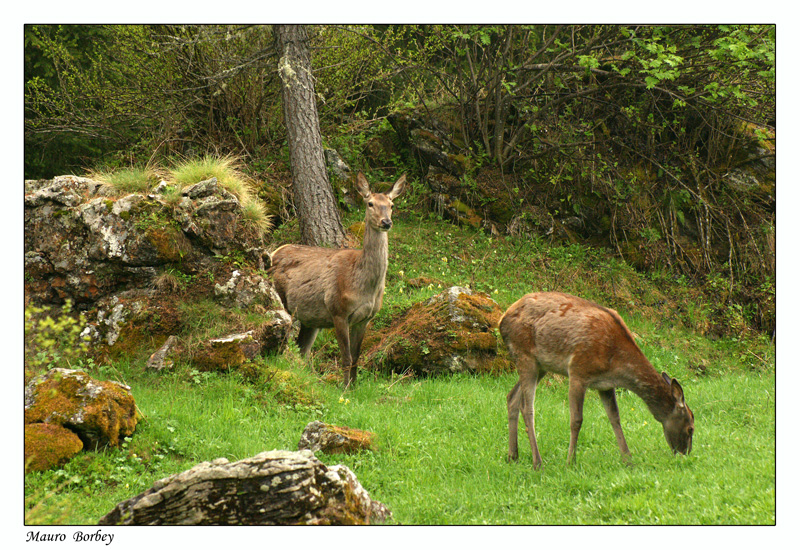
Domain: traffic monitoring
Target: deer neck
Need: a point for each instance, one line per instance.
(650, 386)
(371, 268)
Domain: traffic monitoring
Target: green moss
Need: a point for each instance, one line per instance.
(221, 356)
(426, 339)
(49, 446)
(105, 416)
(169, 241)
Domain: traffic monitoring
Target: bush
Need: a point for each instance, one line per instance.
(53, 340)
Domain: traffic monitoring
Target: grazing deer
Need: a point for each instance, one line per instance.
(339, 288)
(590, 344)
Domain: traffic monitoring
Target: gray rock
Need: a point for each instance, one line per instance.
(244, 290)
(337, 166)
(84, 246)
(202, 189)
(271, 488)
(160, 359)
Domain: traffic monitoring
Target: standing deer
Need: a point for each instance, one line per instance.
(339, 288)
(590, 344)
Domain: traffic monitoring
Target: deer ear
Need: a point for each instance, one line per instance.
(398, 188)
(677, 393)
(666, 377)
(362, 186)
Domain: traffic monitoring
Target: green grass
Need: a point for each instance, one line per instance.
(127, 180)
(442, 443)
(187, 172)
(225, 169)
(442, 451)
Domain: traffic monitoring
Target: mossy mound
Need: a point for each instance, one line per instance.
(101, 413)
(49, 446)
(454, 331)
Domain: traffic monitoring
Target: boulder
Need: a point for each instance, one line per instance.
(271, 488)
(84, 243)
(337, 166)
(331, 439)
(276, 330)
(101, 413)
(209, 214)
(244, 289)
(232, 350)
(112, 316)
(452, 332)
(49, 446)
(227, 352)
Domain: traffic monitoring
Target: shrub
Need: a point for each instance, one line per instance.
(53, 340)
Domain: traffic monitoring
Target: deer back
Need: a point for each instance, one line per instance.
(554, 327)
(564, 333)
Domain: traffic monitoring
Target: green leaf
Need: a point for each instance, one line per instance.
(651, 81)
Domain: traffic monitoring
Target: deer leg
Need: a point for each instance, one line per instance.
(513, 403)
(306, 339)
(577, 392)
(356, 337)
(609, 399)
(529, 376)
(342, 330)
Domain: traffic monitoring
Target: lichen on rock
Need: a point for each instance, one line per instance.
(271, 488)
(331, 439)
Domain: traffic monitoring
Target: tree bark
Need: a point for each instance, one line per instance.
(320, 224)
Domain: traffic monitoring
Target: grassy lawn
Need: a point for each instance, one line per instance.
(442, 442)
(442, 452)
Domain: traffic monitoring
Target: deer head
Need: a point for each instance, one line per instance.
(679, 423)
(379, 205)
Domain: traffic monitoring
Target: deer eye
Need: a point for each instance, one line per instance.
(370, 204)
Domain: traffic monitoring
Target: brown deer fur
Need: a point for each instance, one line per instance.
(590, 344)
(339, 288)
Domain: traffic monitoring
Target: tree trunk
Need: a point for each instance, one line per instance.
(320, 224)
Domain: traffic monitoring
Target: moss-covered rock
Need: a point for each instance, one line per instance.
(84, 245)
(234, 350)
(331, 439)
(101, 413)
(454, 331)
(49, 446)
(222, 354)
